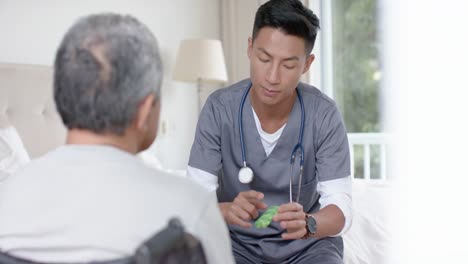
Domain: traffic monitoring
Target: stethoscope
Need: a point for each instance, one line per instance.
(246, 174)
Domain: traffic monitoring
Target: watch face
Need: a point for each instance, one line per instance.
(311, 225)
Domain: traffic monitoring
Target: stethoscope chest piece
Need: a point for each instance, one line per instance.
(245, 175)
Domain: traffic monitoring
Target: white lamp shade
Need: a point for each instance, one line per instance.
(200, 59)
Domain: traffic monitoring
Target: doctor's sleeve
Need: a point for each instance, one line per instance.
(333, 167)
(339, 193)
(205, 179)
(332, 148)
(205, 154)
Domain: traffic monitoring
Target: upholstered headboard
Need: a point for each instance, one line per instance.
(26, 102)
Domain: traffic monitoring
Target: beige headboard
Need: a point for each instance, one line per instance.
(26, 102)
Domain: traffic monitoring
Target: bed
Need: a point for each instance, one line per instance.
(26, 103)
(26, 106)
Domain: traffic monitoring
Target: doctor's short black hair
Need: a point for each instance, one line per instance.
(289, 16)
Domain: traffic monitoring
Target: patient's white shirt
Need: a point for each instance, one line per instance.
(83, 203)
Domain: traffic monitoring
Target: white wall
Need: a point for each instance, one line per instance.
(238, 18)
(30, 32)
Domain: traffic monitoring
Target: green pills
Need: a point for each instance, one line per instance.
(265, 219)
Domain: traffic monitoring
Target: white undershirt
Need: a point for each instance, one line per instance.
(268, 140)
(337, 192)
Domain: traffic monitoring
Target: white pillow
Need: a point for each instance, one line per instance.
(13, 155)
(152, 161)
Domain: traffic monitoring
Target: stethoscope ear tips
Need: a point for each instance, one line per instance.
(245, 175)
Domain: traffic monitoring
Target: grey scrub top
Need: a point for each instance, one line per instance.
(216, 149)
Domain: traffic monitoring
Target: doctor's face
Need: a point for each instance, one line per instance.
(277, 62)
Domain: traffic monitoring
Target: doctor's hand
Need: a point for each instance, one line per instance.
(243, 209)
(292, 218)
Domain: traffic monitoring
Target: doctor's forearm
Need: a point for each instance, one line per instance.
(330, 221)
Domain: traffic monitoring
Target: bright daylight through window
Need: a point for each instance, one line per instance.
(350, 73)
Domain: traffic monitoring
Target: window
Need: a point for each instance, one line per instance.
(350, 72)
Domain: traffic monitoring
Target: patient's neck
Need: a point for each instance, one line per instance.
(87, 137)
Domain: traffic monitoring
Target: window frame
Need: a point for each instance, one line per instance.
(321, 76)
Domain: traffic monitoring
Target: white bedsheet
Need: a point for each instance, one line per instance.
(13, 155)
(368, 240)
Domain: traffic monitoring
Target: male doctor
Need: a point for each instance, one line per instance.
(306, 230)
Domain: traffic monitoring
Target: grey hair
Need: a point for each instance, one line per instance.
(105, 66)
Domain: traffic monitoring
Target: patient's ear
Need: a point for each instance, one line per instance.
(144, 112)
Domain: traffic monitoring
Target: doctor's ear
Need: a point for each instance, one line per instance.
(144, 111)
(249, 47)
(308, 62)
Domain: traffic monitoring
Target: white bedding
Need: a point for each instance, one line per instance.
(368, 240)
(12, 152)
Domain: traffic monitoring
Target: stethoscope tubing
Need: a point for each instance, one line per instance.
(297, 147)
(241, 128)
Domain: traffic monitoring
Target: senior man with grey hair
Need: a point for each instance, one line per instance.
(92, 199)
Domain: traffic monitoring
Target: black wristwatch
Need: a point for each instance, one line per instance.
(311, 225)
